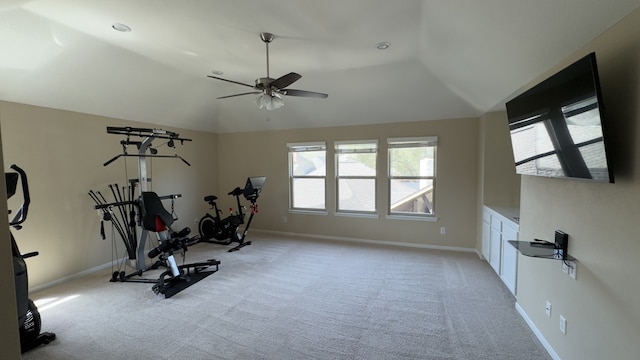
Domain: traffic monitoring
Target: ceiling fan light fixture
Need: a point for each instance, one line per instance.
(269, 101)
(276, 102)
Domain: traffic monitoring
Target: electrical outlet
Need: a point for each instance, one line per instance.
(443, 230)
(284, 219)
(547, 309)
(569, 268)
(196, 221)
(563, 324)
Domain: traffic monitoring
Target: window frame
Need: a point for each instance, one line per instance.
(302, 147)
(338, 177)
(404, 142)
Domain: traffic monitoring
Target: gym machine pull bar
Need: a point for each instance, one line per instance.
(145, 156)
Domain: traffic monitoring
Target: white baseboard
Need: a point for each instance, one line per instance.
(67, 278)
(368, 241)
(537, 332)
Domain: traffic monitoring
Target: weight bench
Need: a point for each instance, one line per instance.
(156, 218)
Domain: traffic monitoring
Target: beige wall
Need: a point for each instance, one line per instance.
(602, 306)
(63, 154)
(500, 183)
(265, 153)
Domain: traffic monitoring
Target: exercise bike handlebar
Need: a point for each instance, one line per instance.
(21, 214)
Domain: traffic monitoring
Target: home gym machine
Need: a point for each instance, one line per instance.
(214, 229)
(128, 212)
(28, 316)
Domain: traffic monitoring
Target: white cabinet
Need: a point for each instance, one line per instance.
(486, 233)
(498, 227)
(495, 244)
(509, 259)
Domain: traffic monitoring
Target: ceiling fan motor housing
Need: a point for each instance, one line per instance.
(263, 83)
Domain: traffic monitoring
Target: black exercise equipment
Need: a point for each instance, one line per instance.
(133, 216)
(214, 229)
(28, 316)
(148, 135)
(127, 207)
(125, 223)
(157, 219)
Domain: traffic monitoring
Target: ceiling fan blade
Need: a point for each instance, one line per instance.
(234, 95)
(231, 81)
(303, 93)
(286, 80)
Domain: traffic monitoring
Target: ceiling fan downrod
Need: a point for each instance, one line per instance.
(267, 38)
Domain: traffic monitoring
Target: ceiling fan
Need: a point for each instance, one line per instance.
(271, 90)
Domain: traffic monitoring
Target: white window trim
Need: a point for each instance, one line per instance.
(309, 145)
(404, 142)
(350, 142)
(303, 147)
(427, 140)
(355, 213)
(308, 211)
(418, 217)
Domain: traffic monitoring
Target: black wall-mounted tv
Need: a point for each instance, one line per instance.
(557, 126)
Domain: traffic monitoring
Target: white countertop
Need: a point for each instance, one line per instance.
(510, 213)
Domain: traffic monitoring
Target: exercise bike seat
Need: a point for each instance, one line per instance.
(210, 198)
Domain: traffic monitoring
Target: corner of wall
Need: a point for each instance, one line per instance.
(9, 337)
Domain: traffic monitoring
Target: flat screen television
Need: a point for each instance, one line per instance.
(557, 127)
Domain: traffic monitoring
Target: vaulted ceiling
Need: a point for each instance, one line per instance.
(446, 59)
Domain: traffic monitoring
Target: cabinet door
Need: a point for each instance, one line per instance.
(486, 240)
(509, 264)
(495, 249)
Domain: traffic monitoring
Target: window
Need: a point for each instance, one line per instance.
(412, 177)
(307, 176)
(356, 175)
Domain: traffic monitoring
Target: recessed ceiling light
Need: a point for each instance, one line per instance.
(121, 27)
(383, 45)
(217, 72)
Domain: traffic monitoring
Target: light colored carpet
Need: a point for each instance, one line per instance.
(284, 298)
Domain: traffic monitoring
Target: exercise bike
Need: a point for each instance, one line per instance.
(28, 316)
(214, 229)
